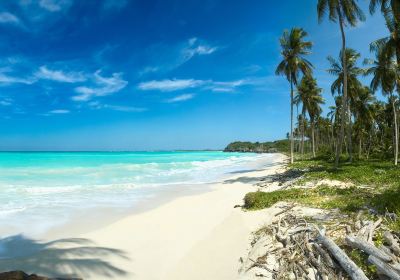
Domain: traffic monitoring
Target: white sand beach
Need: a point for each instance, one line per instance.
(195, 236)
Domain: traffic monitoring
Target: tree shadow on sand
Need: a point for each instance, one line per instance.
(72, 257)
(280, 178)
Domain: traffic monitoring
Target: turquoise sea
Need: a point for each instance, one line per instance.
(45, 188)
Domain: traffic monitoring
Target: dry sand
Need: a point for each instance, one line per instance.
(198, 236)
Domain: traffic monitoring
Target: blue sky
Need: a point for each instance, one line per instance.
(154, 74)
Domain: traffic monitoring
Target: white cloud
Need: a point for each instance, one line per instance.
(170, 85)
(168, 57)
(7, 79)
(231, 86)
(97, 105)
(215, 86)
(180, 98)
(124, 108)
(59, 76)
(54, 5)
(177, 84)
(6, 17)
(197, 48)
(227, 86)
(104, 86)
(59, 111)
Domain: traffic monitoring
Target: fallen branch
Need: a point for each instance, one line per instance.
(372, 229)
(327, 258)
(389, 239)
(384, 268)
(358, 243)
(285, 210)
(346, 263)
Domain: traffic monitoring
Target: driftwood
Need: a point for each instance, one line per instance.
(285, 210)
(373, 228)
(368, 248)
(384, 268)
(393, 244)
(327, 258)
(346, 263)
(292, 248)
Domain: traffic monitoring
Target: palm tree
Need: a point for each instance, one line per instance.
(385, 75)
(302, 122)
(389, 45)
(347, 60)
(391, 12)
(310, 95)
(345, 12)
(364, 114)
(333, 116)
(294, 48)
(386, 7)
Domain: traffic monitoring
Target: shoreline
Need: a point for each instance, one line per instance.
(167, 237)
(79, 223)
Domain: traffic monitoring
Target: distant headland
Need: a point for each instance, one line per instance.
(258, 147)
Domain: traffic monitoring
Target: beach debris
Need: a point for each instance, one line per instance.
(294, 247)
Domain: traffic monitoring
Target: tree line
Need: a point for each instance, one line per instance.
(358, 124)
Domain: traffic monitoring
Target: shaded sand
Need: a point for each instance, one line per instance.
(197, 236)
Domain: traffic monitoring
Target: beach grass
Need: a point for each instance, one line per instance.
(375, 185)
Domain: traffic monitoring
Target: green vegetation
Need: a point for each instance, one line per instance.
(374, 173)
(358, 125)
(266, 147)
(361, 260)
(347, 199)
(358, 122)
(294, 50)
(376, 186)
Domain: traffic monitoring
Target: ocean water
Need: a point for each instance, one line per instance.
(41, 190)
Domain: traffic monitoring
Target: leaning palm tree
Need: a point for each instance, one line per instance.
(345, 12)
(294, 50)
(385, 74)
(347, 60)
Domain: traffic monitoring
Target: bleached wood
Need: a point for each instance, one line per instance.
(370, 249)
(346, 263)
(384, 268)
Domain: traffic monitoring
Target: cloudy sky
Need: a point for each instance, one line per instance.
(154, 74)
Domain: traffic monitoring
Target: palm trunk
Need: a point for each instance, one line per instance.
(344, 101)
(302, 130)
(349, 129)
(396, 135)
(313, 138)
(291, 122)
(395, 7)
(360, 147)
(333, 138)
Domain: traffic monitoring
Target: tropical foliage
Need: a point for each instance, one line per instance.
(359, 124)
(294, 50)
(257, 147)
